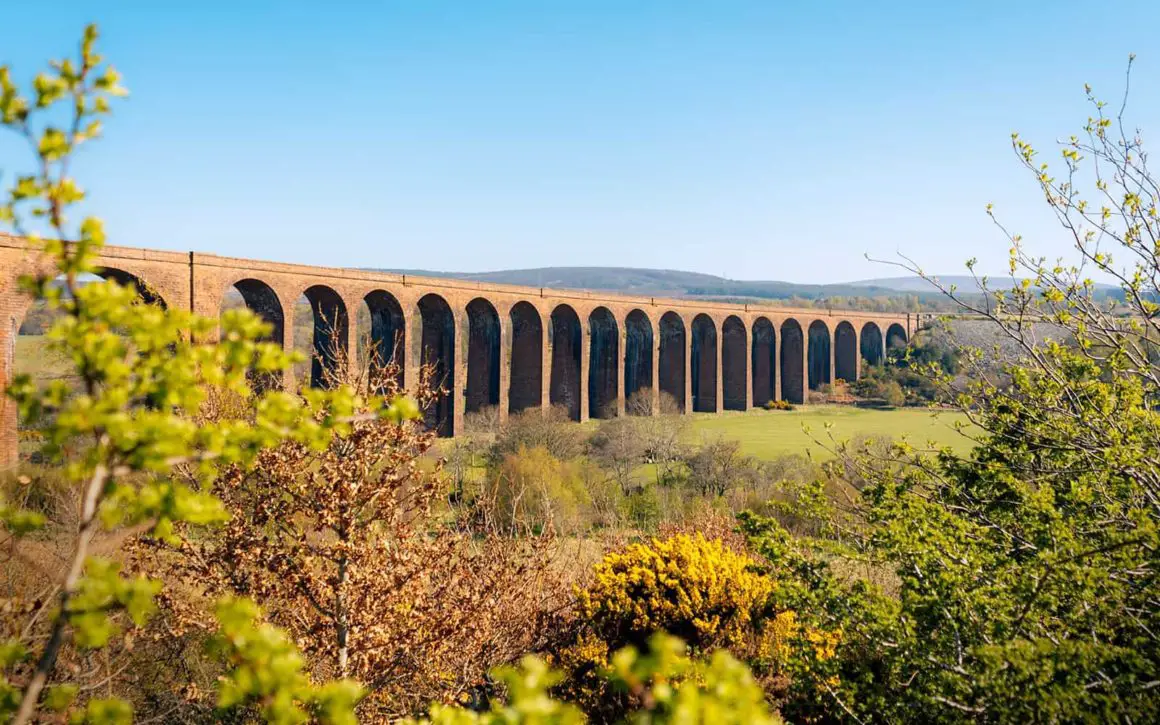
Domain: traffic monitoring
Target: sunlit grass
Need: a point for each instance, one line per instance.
(769, 434)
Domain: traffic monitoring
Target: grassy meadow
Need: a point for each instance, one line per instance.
(766, 434)
(34, 358)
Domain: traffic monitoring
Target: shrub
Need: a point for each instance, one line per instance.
(718, 466)
(695, 588)
(532, 491)
(779, 405)
(663, 684)
(707, 591)
(552, 429)
(619, 446)
(642, 507)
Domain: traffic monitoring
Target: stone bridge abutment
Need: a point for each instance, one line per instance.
(498, 346)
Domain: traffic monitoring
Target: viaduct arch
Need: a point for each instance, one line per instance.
(509, 347)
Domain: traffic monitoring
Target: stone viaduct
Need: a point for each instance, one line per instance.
(510, 347)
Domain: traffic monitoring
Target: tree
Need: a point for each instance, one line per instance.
(663, 436)
(619, 446)
(143, 371)
(1028, 572)
(347, 547)
(717, 466)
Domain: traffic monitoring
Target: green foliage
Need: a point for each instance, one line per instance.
(642, 507)
(267, 672)
(143, 370)
(102, 590)
(910, 372)
(1025, 573)
(1024, 568)
(534, 491)
(106, 711)
(678, 689)
(665, 683)
(882, 384)
(528, 701)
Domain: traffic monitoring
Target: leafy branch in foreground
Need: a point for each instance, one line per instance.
(143, 370)
(670, 687)
(1028, 571)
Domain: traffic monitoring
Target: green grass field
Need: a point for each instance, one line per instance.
(768, 434)
(32, 358)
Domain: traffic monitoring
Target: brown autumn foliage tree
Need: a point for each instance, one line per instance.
(350, 550)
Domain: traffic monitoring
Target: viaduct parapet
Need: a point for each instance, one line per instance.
(508, 347)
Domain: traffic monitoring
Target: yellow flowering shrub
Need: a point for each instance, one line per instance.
(689, 586)
(775, 647)
(784, 640)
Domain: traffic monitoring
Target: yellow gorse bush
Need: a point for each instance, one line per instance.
(687, 585)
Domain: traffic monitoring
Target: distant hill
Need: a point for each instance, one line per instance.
(914, 283)
(964, 283)
(887, 294)
(671, 283)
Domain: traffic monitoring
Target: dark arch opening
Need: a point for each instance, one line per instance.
(28, 322)
(819, 354)
(704, 364)
(792, 373)
(387, 337)
(895, 338)
(845, 352)
(638, 363)
(526, 389)
(261, 299)
(483, 342)
(871, 344)
(437, 354)
(148, 294)
(672, 358)
(604, 349)
(564, 385)
(37, 318)
(764, 363)
(327, 335)
(734, 361)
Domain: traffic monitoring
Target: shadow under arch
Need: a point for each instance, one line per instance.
(671, 365)
(734, 363)
(566, 338)
(526, 388)
(896, 338)
(147, 292)
(819, 354)
(437, 355)
(764, 362)
(704, 364)
(870, 345)
(386, 340)
(329, 337)
(845, 352)
(638, 362)
(792, 362)
(483, 341)
(604, 353)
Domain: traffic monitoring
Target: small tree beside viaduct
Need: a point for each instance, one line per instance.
(508, 347)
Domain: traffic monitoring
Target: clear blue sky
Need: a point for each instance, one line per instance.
(755, 140)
